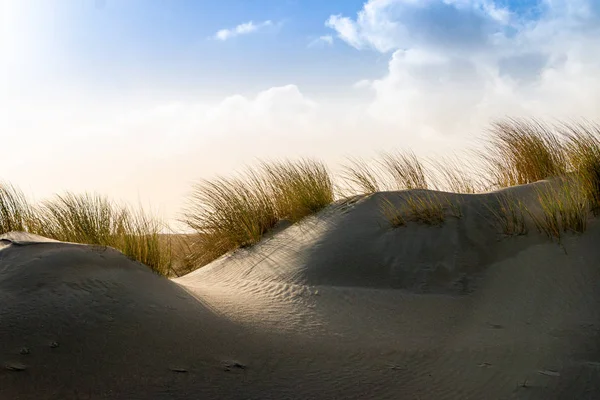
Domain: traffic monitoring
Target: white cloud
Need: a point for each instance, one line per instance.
(456, 64)
(326, 40)
(241, 29)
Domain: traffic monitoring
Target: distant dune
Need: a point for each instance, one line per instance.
(340, 305)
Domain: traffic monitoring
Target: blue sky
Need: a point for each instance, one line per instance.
(139, 98)
(132, 45)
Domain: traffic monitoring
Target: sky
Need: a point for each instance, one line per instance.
(139, 99)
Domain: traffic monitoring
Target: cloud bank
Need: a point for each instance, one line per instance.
(452, 65)
(457, 63)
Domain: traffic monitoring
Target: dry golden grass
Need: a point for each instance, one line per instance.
(392, 213)
(523, 151)
(95, 220)
(361, 178)
(88, 219)
(564, 208)
(427, 208)
(509, 215)
(228, 213)
(16, 214)
(237, 212)
(406, 170)
(583, 152)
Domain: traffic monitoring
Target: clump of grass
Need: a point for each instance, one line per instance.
(583, 151)
(406, 170)
(509, 215)
(392, 213)
(230, 213)
(141, 240)
(87, 218)
(426, 208)
(564, 208)
(523, 151)
(16, 214)
(299, 189)
(94, 220)
(361, 176)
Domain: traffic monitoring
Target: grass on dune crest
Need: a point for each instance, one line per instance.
(406, 170)
(428, 208)
(228, 213)
(16, 214)
(583, 152)
(88, 219)
(299, 188)
(509, 215)
(450, 174)
(520, 151)
(95, 220)
(564, 208)
(360, 177)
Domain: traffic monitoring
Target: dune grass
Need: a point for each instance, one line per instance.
(360, 177)
(16, 214)
(523, 151)
(228, 213)
(88, 219)
(406, 170)
(564, 208)
(509, 215)
(426, 208)
(392, 213)
(583, 152)
(95, 220)
(450, 174)
(298, 189)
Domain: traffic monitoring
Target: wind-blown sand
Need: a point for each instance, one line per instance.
(338, 306)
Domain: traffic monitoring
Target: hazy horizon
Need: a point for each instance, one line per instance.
(138, 99)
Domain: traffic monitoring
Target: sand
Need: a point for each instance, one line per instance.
(338, 306)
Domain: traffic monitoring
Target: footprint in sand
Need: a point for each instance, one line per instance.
(15, 366)
(233, 365)
(24, 351)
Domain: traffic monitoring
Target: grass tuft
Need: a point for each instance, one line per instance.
(298, 189)
(427, 208)
(392, 213)
(230, 213)
(523, 151)
(406, 170)
(16, 214)
(563, 209)
(361, 177)
(509, 215)
(94, 220)
(583, 151)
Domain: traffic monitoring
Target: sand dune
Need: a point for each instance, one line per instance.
(338, 306)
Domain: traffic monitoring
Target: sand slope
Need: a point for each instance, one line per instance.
(339, 306)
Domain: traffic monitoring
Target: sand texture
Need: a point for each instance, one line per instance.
(339, 306)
